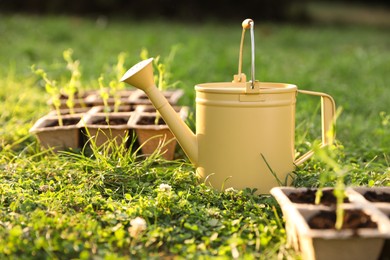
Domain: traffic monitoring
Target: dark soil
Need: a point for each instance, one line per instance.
(150, 109)
(65, 122)
(124, 108)
(166, 95)
(309, 196)
(353, 219)
(149, 120)
(377, 196)
(65, 113)
(76, 111)
(65, 96)
(76, 95)
(111, 121)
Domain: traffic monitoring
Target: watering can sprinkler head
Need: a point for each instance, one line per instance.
(140, 75)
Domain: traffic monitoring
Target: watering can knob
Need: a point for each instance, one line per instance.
(246, 24)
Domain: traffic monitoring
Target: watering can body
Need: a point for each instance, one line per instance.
(244, 132)
(245, 139)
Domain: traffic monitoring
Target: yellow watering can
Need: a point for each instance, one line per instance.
(245, 131)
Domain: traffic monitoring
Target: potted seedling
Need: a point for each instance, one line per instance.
(105, 103)
(107, 124)
(57, 131)
(105, 128)
(60, 129)
(162, 79)
(71, 95)
(52, 89)
(328, 223)
(105, 95)
(328, 155)
(102, 126)
(311, 228)
(68, 98)
(116, 87)
(71, 90)
(114, 98)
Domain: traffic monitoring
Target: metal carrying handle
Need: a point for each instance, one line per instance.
(247, 24)
(328, 108)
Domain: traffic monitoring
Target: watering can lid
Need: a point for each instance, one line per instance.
(242, 88)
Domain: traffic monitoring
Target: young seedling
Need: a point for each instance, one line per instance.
(52, 89)
(105, 95)
(115, 85)
(329, 155)
(71, 88)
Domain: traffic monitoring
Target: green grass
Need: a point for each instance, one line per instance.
(74, 206)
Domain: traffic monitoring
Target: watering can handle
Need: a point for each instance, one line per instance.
(328, 108)
(240, 77)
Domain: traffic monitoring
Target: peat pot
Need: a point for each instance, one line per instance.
(310, 228)
(104, 128)
(51, 135)
(154, 135)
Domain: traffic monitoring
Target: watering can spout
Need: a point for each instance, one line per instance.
(141, 77)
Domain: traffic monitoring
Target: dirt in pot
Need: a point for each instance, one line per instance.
(65, 113)
(353, 219)
(166, 95)
(149, 120)
(375, 196)
(126, 109)
(152, 109)
(77, 94)
(309, 197)
(66, 96)
(65, 122)
(143, 97)
(111, 121)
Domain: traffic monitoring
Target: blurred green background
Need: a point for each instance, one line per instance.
(201, 10)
